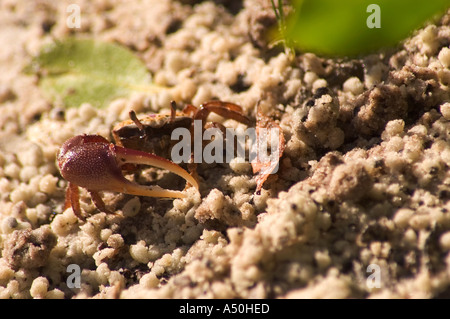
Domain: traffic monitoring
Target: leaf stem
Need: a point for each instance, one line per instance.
(281, 21)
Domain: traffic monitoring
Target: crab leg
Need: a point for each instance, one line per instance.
(73, 199)
(224, 109)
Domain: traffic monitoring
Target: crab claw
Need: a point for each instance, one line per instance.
(127, 155)
(91, 162)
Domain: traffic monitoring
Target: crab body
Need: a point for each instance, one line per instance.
(154, 136)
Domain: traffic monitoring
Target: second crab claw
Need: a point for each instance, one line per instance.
(92, 162)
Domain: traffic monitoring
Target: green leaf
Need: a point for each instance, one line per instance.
(340, 28)
(75, 71)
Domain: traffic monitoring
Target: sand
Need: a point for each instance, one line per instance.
(360, 207)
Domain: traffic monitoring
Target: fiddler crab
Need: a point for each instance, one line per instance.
(94, 163)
